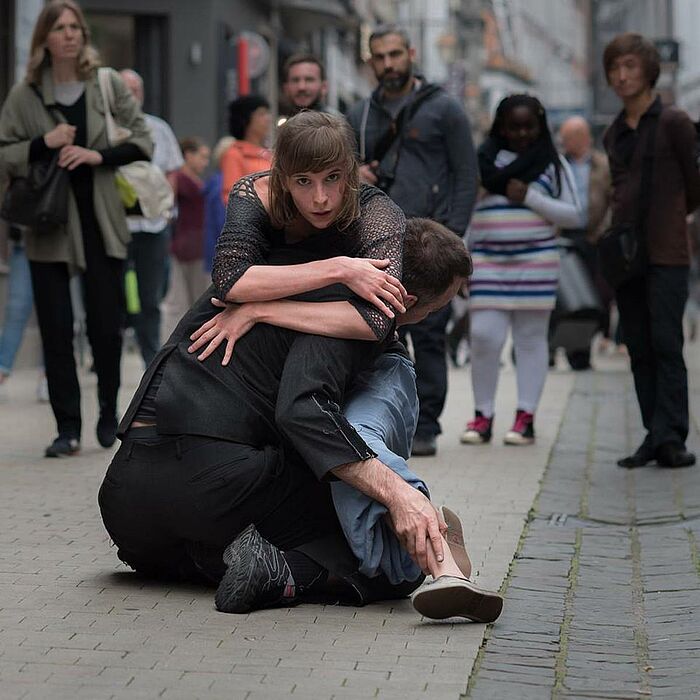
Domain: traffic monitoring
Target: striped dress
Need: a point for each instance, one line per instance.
(513, 246)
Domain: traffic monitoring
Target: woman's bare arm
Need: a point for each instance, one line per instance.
(333, 319)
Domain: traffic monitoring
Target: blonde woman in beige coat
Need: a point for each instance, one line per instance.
(63, 71)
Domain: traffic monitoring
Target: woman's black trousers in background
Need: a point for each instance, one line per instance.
(103, 287)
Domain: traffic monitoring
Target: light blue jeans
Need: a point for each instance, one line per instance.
(383, 407)
(18, 308)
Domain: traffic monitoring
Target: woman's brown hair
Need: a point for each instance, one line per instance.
(310, 142)
(632, 43)
(39, 57)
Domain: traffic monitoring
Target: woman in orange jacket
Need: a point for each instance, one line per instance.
(249, 123)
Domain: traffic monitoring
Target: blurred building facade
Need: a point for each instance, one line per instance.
(540, 47)
(654, 19)
(686, 26)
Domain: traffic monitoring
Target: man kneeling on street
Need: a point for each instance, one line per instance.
(250, 476)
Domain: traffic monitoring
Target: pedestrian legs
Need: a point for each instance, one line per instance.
(50, 283)
(489, 330)
(667, 296)
(531, 355)
(148, 252)
(429, 349)
(17, 310)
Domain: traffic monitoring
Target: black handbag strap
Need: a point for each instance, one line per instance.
(644, 205)
(52, 111)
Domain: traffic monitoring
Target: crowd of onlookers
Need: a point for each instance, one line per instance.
(414, 141)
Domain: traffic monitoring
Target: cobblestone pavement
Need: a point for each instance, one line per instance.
(601, 600)
(604, 593)
(74, 623)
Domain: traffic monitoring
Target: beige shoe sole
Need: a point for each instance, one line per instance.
(517, 439)
(471, 437)
(455, 540)
(449, 596)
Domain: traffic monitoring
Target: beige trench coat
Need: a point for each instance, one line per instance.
(23, 118)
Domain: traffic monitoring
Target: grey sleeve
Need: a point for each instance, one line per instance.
(462, 161)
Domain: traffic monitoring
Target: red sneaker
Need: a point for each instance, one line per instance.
(523, 430)
(478, 431)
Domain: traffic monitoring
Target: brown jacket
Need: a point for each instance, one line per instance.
(675, 187)
(599, 194)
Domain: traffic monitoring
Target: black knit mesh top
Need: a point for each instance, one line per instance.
(246, 239)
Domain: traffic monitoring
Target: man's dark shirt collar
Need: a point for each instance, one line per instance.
(654, 109)
(626, 138)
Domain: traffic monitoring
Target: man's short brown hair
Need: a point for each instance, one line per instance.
(433, 258)
(296, 59)
(633, 43)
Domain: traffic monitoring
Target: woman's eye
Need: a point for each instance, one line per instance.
(333, 177)
(302, 181)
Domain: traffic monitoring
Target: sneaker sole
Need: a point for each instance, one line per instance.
(517, 439)
(457, 598)
(236, 590)
(59, 455)
(455, 541)
(474, 439)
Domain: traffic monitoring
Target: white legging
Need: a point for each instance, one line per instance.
(489, 329)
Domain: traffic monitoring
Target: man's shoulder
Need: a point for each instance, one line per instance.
(672, 116)
(158, 123)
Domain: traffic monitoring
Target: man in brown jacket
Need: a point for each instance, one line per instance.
(651, 306)
(589, 167)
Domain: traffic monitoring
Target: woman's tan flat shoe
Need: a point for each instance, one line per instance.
(455, 539)
(450, 596)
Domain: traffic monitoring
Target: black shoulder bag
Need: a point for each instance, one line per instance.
(40, 200)
(388, 147)
(622, 249)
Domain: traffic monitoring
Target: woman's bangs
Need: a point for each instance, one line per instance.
(318, 151)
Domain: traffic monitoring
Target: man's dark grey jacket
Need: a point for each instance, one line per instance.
(436, 172)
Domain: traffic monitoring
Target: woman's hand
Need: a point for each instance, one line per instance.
(73, 156)
(516, 190)
(366, 278)
(230, 325)
(61, 135)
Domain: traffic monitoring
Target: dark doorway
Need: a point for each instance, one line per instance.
(139, 42)
(7, 47)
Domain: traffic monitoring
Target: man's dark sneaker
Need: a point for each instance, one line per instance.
(640, 458)
(523, 430)
(673, 455)
(478, 431)
(106, 429)
(63, 447)
(424, 446)
(257, 576)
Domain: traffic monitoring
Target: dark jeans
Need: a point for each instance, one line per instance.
(103, 287)
(148, 253)
(429, 351)
(172, 504)
(651, 314)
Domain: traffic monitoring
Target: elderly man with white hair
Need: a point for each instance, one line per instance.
(593, 186)
(148, 250)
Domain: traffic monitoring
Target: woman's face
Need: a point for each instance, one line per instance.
(259, 124)
(65, 39)
(318, 196)
(521, 128)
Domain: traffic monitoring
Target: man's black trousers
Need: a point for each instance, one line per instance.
(651, 314)
(429, 353)
(172, 504)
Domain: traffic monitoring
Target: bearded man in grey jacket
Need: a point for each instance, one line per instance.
(415, 143)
